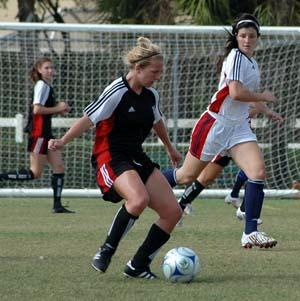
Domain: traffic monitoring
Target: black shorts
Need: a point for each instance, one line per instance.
(107, 172)
(222, 161)
(38, 145)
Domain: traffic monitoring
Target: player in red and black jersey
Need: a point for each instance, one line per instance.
(123, 115)
(38, 127)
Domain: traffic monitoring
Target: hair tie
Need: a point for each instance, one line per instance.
(146, 57)
(248, 21)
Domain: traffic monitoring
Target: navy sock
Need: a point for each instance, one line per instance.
(170, 175)
(254, 197)
(242, 207)
(190, 193)
(240, 180)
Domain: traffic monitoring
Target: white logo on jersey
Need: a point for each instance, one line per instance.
(131, 109)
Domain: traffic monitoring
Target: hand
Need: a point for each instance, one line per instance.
(268, 96)
(175, 157)
(63, 108)
(55, 144)
(275, 116)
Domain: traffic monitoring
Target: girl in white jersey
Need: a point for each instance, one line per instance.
(224, 127)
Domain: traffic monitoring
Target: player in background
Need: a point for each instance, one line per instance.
(42, 107)
(224, 127)
(124, 115)
(214, 169)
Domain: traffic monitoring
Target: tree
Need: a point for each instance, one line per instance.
(138, 11)
(207, 12)
(268, 12)
(278, 13)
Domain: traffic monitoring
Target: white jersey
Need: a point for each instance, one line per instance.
(41, 93)
(236, 66)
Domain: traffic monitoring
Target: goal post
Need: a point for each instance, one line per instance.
(88, 57)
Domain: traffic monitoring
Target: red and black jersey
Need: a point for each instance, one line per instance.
(123, 118)
(39, 125)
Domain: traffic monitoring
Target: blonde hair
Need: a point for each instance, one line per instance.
(142, 53)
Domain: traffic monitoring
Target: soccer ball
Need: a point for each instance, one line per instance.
(181, 265)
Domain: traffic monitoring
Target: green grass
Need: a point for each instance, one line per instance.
(47, 257)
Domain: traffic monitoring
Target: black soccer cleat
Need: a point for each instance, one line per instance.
(102, 258)
(61, 209)
(133, 272)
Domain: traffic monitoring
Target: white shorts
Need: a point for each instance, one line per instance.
(213, 136)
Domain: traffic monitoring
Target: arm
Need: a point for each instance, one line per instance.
(260, 107)
(79, 127)
(238, 91)
(60, 108)
(162, 133)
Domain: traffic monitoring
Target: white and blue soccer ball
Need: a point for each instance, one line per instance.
(181, 264)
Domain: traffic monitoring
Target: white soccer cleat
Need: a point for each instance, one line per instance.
(188, 210)
(258, 239)
(242, 216)
(235, 202)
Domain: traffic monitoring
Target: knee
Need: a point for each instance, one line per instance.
(177, 213)
(206, 181)
(186, 178)
(58, 168)
(172, 213)
(37, 174)
(258, 174)
(138, 203)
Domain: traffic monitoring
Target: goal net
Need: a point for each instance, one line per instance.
(89, 57)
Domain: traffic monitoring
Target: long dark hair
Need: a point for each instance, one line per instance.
(242, 21)
(34, 73)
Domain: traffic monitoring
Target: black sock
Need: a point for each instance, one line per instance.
(155, 239)
(122, 223)
(190, 193)
(57, 182)
(21, 175)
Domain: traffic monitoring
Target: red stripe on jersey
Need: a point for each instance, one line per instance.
(101, 144)
(220, 96)
(200, 133)
(37, 129)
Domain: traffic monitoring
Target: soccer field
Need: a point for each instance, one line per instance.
(47, 257)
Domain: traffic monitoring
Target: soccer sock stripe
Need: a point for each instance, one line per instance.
(121, 224)
(190, 193)
(21, 175)
(57, 182)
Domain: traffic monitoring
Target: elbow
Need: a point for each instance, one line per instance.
(234, 95)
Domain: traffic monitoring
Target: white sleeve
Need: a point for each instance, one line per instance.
(234, 66)
(103, 106)
(41, 93)
(156, 111)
